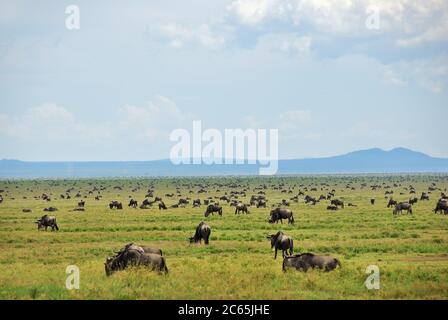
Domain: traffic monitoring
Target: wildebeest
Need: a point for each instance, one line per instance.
(392, 203)
(279, 214)
(197, 203)
(115, 204)
(332, 208)
(424, 197)
(372, 201)
(81, 204)
(135, 258)
(211, 209)
(442, 206)
(337, 202)
(50, 209)
(413, 201)
(203, 231)
(261, 203)
(241, 207)
(143, 249)
(280, 241)
(47, 221)
(305, 261)
(162, 206)
(402, 206)
(133, 203)
(27, 210)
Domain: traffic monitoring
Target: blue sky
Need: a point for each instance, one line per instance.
(136, 70)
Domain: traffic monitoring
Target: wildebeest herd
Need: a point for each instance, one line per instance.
(279, 201)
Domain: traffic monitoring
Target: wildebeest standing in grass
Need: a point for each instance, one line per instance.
(162, 206)
(133, 203)
(135, 258)
(304, 262)
(402, 206)
(241, 207)
(211, 209)
(279, 214)
(338, 203)
(372, 201)
(47, 221)
(392, 203)
(115, 204)
(81, 204)
(143, 249)
(280, 241)
(442, 206)
(203, 231)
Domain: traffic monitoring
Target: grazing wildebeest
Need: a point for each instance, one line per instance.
(241, 207)
(197, 203)
(203, 231)
(135, 258)
(162, 206)
(413, 201)
(47, 221)
(50, 209)
(392, 203)
(352, 205)
(133, 203)
(338, 203)
(261, 203)
(211, 209)
(424, 197)
(183, 202)
(115, 204)
(332, 208)
(27, 210)
(372, 201)
(442, 206)
(81, 204)
(303, 262)
(280, 241)
(143, 249)
(279, 214)
(402, 206)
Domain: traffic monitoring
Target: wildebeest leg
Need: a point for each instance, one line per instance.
(275, 256)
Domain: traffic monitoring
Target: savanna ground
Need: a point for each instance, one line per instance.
(411, 251)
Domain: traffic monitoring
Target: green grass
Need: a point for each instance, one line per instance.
(411, 251)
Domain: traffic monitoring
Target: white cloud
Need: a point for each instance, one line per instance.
(180, 36)
(402, 18)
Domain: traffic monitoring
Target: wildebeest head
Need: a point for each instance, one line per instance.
(109, 266)
(274, 238)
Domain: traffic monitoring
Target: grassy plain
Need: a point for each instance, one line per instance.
(411, 251)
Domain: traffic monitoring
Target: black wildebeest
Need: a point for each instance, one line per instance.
(338, 203)
(47, 221)
(211, 209)
(162, 206)
(391, 203)
(203, 231)
(143, 249)
(279, 214)
(280, 241)
(132, 257)
(402, 206)
(424, 197)
(442, 206)
(305, 261)
(133, 203)
(115, 204)
(241, 207)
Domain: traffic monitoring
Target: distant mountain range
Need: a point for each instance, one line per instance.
(399, 160)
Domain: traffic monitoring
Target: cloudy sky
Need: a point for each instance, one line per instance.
(320, 71)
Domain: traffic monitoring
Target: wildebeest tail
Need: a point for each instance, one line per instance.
(292, 219)
(164, 267)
